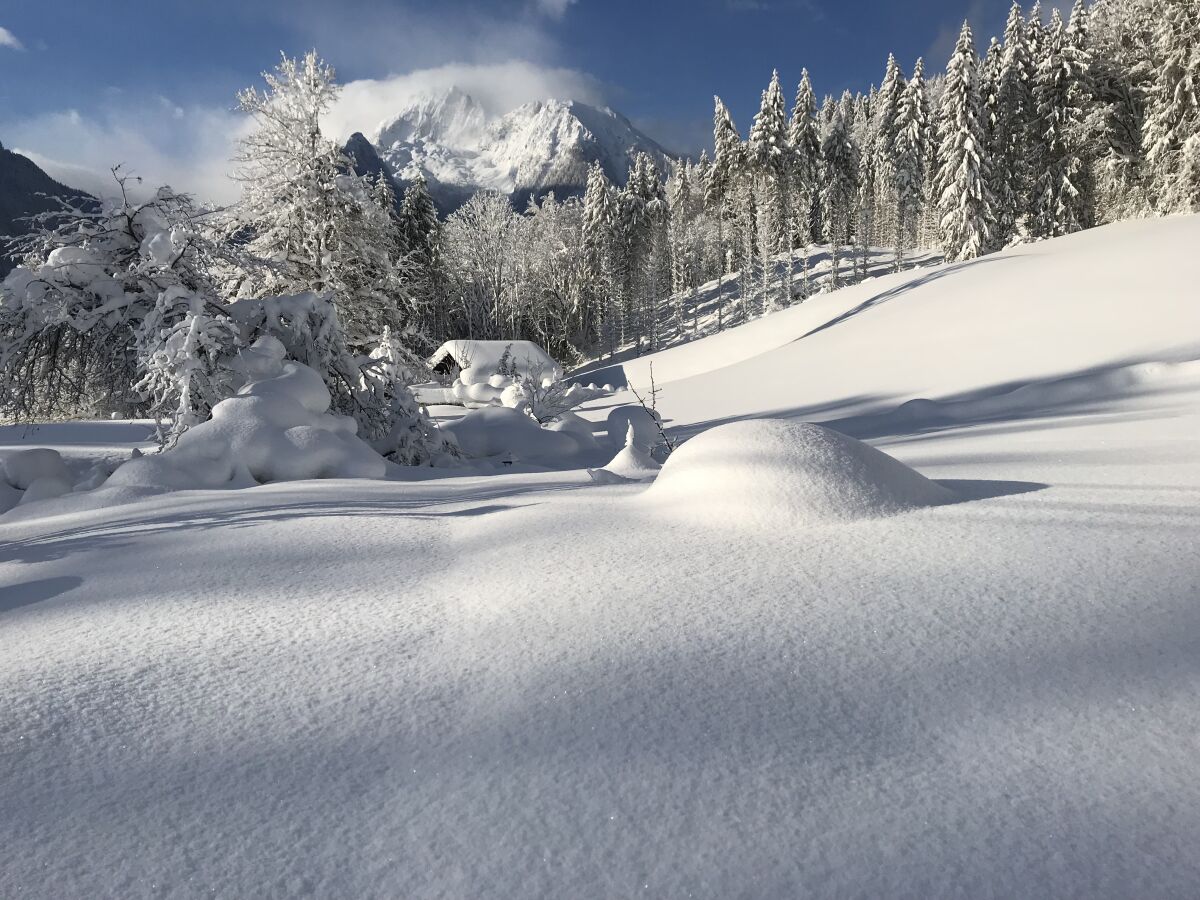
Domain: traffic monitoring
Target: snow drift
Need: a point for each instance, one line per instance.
(743, 472)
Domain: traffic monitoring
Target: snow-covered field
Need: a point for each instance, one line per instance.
(788, 668)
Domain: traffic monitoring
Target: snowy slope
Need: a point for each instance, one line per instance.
(535, 685)
(544, 145)
(1085, 305)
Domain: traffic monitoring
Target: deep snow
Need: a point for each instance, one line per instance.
(537, 685)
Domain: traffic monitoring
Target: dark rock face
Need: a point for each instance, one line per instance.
(366, 161)
(25, 190)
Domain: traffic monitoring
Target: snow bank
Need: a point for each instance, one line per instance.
(742, 472)
(500, 433)
(23, 468)
(1034, 314)
(29, 475)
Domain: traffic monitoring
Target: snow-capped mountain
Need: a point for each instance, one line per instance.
(459, 148)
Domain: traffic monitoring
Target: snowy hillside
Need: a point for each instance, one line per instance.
(1085, 305)
(545, 145)
(961, 661)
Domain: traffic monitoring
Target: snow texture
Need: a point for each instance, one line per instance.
(531, 685)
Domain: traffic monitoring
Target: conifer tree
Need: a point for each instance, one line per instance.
(770, 160)
(597, 244)
(722, 193)
(1011, 175)
(420, 241)
(911, 159)
(1062, 199)
(1172, 131)
(965, 203)
(839, 173)
(1123, 68)
(805, 140)
(883, 148)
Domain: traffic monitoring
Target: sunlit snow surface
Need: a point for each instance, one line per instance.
(540, 686)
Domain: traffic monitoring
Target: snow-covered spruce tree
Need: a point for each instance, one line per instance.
(1172, 130)
(633, 241)
(863, 134)
(929, 233)
(1062, 200)
(644, 249)
(113, 310)
(599, 220)
(964, 200)
(805, 141)
(770, 161)
(839, 172)
(1011, 176)
(306, 214)
(722, 194)
(883, 148)
(420, 238)
(687, 239)
(1123, 68)
(405, 435)
(910, 161)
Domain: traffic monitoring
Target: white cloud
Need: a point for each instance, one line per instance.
(188, 148)
(499, 88)
(8, 39)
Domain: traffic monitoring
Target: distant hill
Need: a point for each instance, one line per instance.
(25, 190)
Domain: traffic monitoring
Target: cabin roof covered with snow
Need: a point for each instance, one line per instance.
(484, 357)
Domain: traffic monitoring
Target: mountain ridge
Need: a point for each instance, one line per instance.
(541, 146)
(25, 191)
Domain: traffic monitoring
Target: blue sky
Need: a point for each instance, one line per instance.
(82, 83)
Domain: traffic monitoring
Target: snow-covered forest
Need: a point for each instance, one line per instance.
(139, 308)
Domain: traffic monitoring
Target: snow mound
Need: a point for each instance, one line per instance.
(23, 468)
(508, 435)
(30, 475)
(738, 473)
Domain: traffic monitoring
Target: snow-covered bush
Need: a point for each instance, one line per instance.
(99, 293)
(544, 399)
(185, 349)
(278, 427)
(372, 388)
